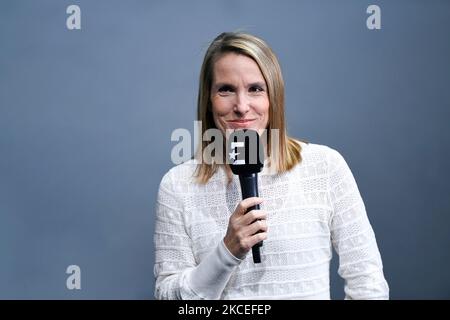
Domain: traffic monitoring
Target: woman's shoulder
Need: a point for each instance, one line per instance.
(183, 172)
(314, 152)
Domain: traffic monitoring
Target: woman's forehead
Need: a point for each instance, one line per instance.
(232, 66)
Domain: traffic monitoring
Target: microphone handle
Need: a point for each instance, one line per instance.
(249, 188)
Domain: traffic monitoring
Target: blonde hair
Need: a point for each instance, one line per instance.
(289, 151)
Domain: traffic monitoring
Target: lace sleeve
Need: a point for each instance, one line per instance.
(352, 235)
(173, 253)
(178, 275)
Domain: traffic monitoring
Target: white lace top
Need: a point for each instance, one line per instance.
(312, 207)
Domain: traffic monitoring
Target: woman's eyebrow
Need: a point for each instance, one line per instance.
(253, 84)
(257, 84)
(222, 84)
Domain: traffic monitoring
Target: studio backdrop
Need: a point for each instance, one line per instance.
(91, 91)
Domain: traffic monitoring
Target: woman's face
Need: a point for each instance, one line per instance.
(239, 94)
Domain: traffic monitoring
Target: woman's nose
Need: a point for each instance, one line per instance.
(241, 105)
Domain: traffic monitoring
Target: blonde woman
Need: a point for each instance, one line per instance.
(308, 197)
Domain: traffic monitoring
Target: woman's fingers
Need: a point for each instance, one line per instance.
(243, 206)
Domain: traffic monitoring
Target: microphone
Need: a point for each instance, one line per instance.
(247, 159)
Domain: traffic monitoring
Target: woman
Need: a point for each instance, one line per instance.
(309, 200)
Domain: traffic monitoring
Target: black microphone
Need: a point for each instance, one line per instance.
(246, 160)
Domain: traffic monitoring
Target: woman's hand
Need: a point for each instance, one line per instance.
(245, 229)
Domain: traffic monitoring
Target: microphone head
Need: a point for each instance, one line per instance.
(245, 152)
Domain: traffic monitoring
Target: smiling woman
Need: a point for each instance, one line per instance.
(239, 94)
(308, 196)
(241, 86)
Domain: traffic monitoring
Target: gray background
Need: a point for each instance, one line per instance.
(86, 118)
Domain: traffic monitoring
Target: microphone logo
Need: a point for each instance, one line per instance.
(245, 151)
(234, 154)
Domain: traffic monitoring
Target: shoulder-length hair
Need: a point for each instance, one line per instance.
(287, 149)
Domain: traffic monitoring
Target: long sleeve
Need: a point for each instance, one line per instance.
(178, 275)
(352, 235)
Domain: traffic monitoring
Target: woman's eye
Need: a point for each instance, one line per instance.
(256, 89)
(225, 89)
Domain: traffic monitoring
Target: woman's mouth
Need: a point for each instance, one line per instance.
(240, 123)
